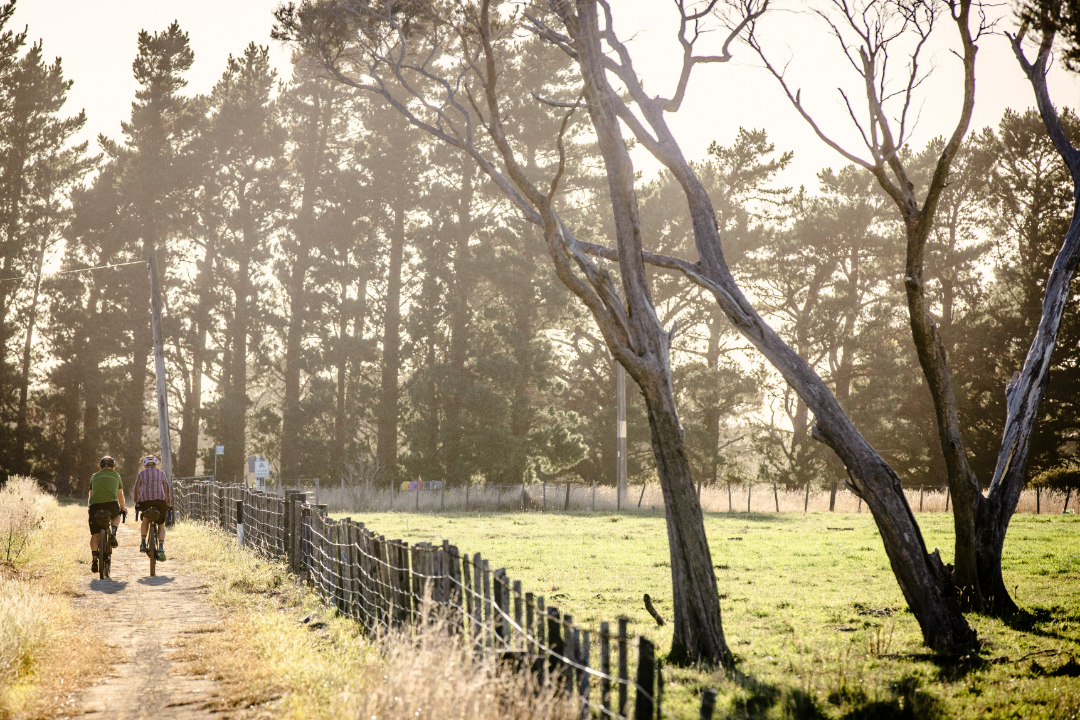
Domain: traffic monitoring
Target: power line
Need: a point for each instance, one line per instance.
(69, 272)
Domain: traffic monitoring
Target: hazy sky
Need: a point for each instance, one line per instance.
(97, 41)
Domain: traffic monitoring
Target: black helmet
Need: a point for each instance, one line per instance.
(106, 461)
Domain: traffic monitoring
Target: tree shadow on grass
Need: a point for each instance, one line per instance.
(905, 699)
(754, 517)
(1029, 621)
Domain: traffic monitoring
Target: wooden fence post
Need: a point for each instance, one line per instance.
(624, 673)
(518, 619)
(749, 488)
(605, 667)
(920, 497)
(729, 496)
(592, 505)
(776, 496)
(467, 590)
(486, 572)
(708, 704)
(806, 505)
(566, 505)
(643, 701)
(659, 689)
(583, 677)
(499, 609)
(1038, 509)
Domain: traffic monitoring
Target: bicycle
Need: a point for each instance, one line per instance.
(103, 520)
(155, 519)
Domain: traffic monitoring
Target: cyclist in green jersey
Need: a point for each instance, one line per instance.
(106, 491)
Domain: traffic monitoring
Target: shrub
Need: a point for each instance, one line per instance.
(1065, 477)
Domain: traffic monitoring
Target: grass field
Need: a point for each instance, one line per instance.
(810, 606)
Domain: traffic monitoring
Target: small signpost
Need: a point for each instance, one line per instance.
(219, 450)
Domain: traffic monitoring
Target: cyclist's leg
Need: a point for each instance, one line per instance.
(144, 528)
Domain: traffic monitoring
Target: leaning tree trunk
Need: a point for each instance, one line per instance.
(1024, 395)
(696, 613)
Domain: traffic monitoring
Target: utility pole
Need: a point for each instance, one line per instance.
(159, 366)
(620, 433)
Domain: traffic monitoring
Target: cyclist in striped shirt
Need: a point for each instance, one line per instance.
(152, 491)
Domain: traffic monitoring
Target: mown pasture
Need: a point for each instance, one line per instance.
(810, 607)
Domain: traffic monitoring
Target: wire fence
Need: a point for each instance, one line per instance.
(388, 583)
(584, 497)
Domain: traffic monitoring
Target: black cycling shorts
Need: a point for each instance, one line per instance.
(113, 508)
(160, 505)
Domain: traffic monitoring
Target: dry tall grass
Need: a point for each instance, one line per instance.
(32, 615)
(326, 668)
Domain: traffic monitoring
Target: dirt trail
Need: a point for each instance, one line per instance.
(141, 618)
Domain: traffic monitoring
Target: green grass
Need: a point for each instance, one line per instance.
(814, 615)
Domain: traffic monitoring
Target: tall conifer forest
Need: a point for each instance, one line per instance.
(350, 299)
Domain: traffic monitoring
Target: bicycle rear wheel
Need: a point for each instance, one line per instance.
(151, 536)
(103, 558)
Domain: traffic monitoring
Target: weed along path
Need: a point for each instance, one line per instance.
(143, 620)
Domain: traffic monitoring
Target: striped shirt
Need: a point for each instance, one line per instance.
(150, 485)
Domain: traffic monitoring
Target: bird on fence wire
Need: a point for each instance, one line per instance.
(652, 611)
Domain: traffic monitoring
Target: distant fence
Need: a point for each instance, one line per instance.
(581, 497)
(388, 583)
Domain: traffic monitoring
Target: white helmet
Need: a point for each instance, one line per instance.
(149, 460)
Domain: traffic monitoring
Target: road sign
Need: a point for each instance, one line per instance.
(262, 468)
(220, 449)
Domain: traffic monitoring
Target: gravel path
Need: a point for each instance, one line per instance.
(142, 618)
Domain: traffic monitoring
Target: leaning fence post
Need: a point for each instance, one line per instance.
(624, 673)
(776, 496)
(1068, 494)
(806, 505)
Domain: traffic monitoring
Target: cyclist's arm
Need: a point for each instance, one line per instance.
(135, 490)
(120, 499)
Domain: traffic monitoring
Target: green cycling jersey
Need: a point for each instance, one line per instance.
(104, 485)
